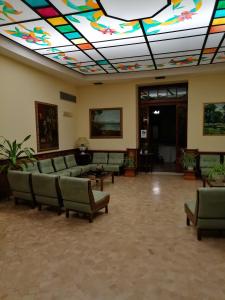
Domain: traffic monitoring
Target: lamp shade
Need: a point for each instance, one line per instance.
(82, 141)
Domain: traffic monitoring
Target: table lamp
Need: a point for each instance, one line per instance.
(82, 143)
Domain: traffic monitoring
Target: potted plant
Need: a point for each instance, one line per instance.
(217, 173)
(189, 164)
(130, 167)
(14, 156)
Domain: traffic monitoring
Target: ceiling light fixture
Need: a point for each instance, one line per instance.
(156, 112)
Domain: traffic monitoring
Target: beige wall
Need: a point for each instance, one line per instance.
(20, 87)
(202, 89)
(105, 96)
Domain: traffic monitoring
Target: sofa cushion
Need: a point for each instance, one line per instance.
(59, 163)
(46, 166)
(32, 167)
(19, 181)
(116, 158)
(209, 160)
(86, 168)
(100, 158)
(44, 185)
(66, 172)
(70, 161)
(111, 168)
(75, 189)
(75, 171)
(99, 196)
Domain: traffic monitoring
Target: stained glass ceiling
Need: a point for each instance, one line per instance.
(119, 36)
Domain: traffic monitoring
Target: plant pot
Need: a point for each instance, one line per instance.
(189, 174)
(130, 172)
(218, 178)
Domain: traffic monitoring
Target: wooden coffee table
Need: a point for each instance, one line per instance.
(99, 177)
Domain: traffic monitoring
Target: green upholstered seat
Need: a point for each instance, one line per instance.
(70, 161)
(32, 167)
(46, 190)
(112, 168)
(207, 161)
(20, 185)
(72, 166)
(60, 166)
(208, 210)
(116, 158)
(75, 171)
(86, 168)
(46, 166)
(59, 163)
(100, 158)
(78, 196)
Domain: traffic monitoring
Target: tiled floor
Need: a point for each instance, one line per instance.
(141, 250)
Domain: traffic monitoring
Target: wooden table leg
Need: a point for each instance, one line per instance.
(101, 183)
(112, 177)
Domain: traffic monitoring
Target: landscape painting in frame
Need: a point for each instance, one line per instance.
(214, 119)
(47, 126)
(106, 123)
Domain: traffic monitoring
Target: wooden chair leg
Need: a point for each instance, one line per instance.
(39, 206)
(67, 213)
(90, 218)
(15, 201)
(199, 234)
(59, 211)
(188, 222)
(106, 209)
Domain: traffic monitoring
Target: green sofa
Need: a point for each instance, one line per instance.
(32, 167)
(207, 161)
(72, 166)
(46, 191)
(111, 162)
(46, 166)
(20, 185)
(207, 212)
(78, 196)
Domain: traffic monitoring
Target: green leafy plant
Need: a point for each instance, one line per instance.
(14, 155)
(189, 160)
(130, 163)
(217, 172)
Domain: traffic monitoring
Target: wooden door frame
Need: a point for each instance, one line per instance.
(166, 103)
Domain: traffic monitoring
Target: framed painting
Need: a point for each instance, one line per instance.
(46, 126)
(214, 119)
(106, 123)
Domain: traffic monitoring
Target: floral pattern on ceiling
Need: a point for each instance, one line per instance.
(79, 34)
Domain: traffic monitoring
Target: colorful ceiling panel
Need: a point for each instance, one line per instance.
(106, 37)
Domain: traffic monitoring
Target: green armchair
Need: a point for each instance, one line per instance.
(46, 191)
(208, 211)
(20, 185)
(78, 196)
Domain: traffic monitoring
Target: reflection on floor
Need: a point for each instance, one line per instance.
(164, 167)
(141, 250)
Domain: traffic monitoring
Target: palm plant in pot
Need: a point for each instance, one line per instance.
(13, 155)
(217, 173)
(189, 165)
(130, 167)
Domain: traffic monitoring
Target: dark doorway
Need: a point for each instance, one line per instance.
(162, 127)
